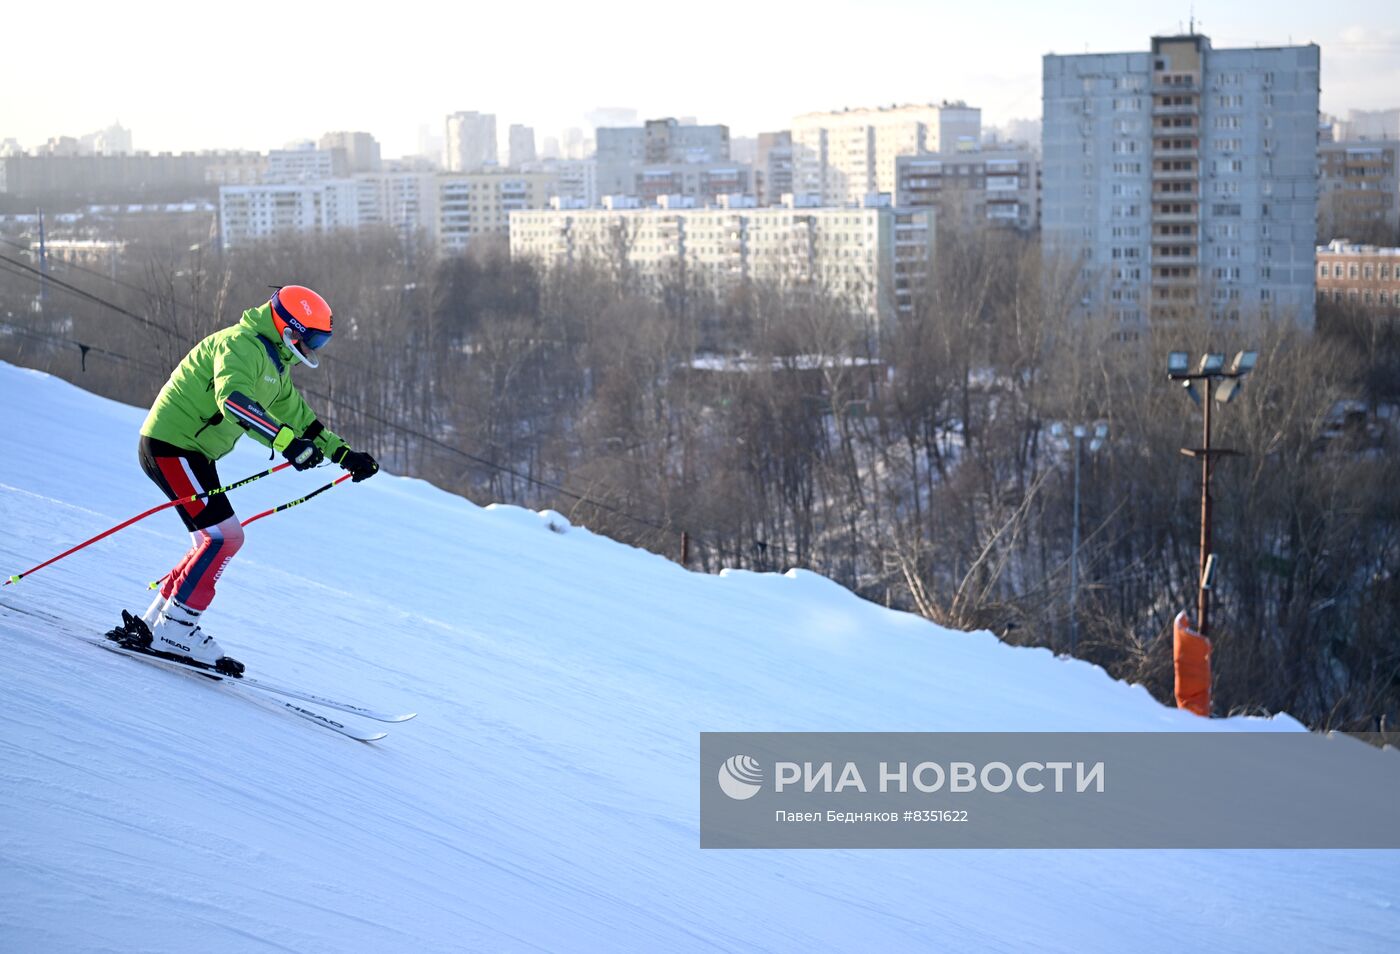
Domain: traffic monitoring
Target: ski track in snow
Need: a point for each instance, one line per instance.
(545, 799)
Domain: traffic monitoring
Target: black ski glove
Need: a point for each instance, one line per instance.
(360, 465)
(301, 452)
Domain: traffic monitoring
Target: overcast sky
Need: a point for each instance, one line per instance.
(258, 74)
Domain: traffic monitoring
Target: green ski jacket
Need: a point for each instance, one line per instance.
(249, 363)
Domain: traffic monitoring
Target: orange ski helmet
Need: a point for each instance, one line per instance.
(303, 319)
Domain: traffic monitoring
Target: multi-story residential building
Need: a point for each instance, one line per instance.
(522, 145)
(669, 141)
(772, 171)
(453, 209)
(471, 141)
(1367, 124)
(843, 157)
(1183, 180)
(124, 178)
(702, 182)
(1366, 277)
(1359, 191)
(115, 140)
(245, 168)
(479, 204)
(360, 148)
(999, 187)
(250, 213)
(575, 180)
(874, 257)
(406, 200)
(624, 153)
(306, 163)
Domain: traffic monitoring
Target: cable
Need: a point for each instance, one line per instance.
(87, 295)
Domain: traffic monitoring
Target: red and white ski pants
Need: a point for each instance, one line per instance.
(214, 529)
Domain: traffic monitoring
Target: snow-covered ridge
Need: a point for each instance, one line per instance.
(546, 796)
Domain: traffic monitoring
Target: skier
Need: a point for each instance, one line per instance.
(236, 380)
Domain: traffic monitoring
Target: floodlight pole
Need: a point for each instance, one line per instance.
(1203, 591)
(1074, 555)
(1210, 376)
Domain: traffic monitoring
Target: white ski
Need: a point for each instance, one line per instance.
(295, 708)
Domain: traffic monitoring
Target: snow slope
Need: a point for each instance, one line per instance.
(546, 797)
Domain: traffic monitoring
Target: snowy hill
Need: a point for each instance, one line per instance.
(546, 796)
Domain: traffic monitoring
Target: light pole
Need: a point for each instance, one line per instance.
(1080, 431)
(1100, 435)
(1222, 386)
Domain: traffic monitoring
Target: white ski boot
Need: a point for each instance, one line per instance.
(176, 632)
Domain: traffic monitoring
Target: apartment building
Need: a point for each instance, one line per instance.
(306, 163)
(521, 140)
(250, 213)
(1361, 276)
(843, 157)
(874, 257)
(998, 187)
(471, 141)
(452, 209)
(1183, 180)
(625, 153)
(1359, 191)
(480, 204)
(361, 150)
(772, 170)
(125, 177)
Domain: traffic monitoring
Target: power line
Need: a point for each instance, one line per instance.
(89, 296)
(75, 266)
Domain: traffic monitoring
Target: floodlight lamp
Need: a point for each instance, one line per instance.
(1244, 362)
(1057, 429)
(1212, 362)
(1178, 362)
(1226, 390)
(1080, 430)
(1101, 431)
(1208, 577)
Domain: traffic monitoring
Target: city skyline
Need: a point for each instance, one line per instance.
(415, 73)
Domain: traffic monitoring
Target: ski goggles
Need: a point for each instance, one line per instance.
(313, 338)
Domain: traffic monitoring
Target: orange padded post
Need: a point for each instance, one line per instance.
(1191, 655)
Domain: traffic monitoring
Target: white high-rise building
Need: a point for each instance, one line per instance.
(471, 141)
(1183, 180)
(250, 213)
(521, 142)
(843, 157)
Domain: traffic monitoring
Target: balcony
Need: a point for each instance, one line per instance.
(1175, 152)
(1175, 175)
(1169, 131)
(1188, 216)
(1170, 190)
(1177, 109)
(1175, 83)
(1159, 257)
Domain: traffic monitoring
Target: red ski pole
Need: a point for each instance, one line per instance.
(278, 509)
(142, 516)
